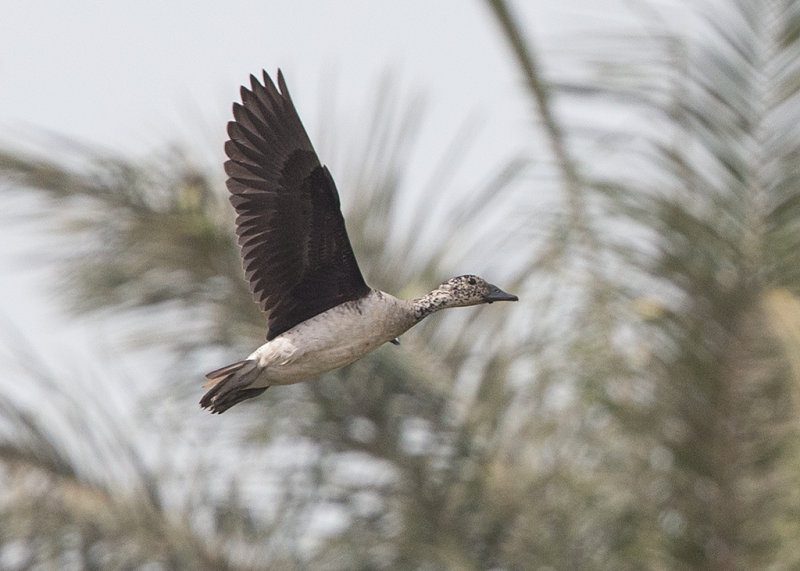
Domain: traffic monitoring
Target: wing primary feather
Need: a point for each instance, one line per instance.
(295, 250)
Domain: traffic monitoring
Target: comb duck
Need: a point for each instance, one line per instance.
(297, 258)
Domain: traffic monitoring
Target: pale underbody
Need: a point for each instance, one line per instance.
(332, 339)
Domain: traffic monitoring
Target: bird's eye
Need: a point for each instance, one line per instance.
(471, 281)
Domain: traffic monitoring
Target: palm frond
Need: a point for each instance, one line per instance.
(702, 234)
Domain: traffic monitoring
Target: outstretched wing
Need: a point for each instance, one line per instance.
(295, 250)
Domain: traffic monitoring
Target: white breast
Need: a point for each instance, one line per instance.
(332, 339)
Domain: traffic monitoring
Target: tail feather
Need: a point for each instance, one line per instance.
(230, 385)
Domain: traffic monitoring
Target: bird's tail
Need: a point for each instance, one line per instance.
(230, 385)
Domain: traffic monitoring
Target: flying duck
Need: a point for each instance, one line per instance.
(297, 258)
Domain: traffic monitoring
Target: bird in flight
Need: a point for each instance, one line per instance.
(297, 258)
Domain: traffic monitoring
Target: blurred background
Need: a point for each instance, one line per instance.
(628, 168)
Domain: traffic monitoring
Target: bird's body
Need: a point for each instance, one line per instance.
(297, 257)
(333, 339)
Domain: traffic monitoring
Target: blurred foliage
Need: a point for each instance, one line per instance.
(637, 410)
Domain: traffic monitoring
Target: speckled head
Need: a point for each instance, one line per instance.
(472, 290)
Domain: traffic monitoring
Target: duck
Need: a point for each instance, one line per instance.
(298, 261)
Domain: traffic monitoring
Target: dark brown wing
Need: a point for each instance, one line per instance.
(294, 245)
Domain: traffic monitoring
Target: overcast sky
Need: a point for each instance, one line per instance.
(127, 75)
(131, 74)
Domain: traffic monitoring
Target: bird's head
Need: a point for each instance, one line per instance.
(462, 291)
